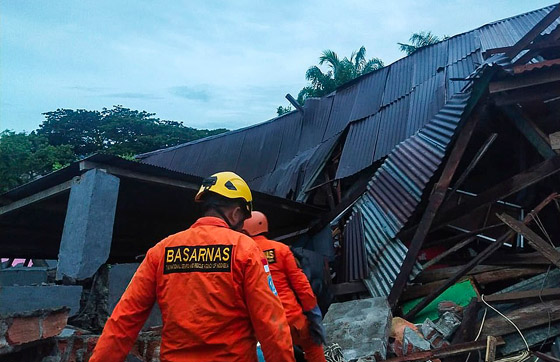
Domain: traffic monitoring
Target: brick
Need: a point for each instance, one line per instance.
(54, 323)
(23, 330)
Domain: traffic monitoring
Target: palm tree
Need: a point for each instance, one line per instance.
(339, 72)
(419, 40)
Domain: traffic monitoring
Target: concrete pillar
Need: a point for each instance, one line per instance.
(88, 228)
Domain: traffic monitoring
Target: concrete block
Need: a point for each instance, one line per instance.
(88, 227)
(119, 277)
(20, 299)
(361, 327)
(413, 342)
(23, 276)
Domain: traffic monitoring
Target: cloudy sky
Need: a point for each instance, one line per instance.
(207, 63)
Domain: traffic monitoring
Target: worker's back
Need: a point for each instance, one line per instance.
(291, 283)
(210, 291)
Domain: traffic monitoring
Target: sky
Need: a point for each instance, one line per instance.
(210, 64)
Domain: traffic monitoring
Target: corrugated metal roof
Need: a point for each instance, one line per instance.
(354, 256)
(396, 189)
(341, 110)
(359, 146)
(384, 254)
(504, 33)
(403, 96)
(369, 94)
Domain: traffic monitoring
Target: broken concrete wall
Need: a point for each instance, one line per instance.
(20, 299)
(23, 276)
(18, 330)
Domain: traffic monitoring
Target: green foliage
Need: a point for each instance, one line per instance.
(26, 156)
(420, 40)
(283, 110)
(117, 131)
(339, 71)
(68, 135)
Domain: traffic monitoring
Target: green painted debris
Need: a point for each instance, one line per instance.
(460, 293)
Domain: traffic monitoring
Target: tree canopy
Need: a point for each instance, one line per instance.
(339, 71)
(420, 40)
(67, 135)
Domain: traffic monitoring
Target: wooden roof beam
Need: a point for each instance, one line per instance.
(533, 33)
(544, 76)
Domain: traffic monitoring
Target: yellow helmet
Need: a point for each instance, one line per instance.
(226, 184)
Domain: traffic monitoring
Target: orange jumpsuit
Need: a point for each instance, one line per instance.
(215, 299)
(292, 285)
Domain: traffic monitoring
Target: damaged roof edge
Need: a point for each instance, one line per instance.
(101, 160)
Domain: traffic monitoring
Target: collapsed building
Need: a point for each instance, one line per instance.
(430, 181)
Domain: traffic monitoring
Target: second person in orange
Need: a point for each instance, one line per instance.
(294, 290)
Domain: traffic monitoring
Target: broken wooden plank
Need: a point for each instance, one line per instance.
(479, 258)
(500, 191)
(526, 317)
(534, 259)
(545, 357)
(530, 79)
(554, 139)
(533, 46)
(530, 131)
(348, 288)
(467, 331)
(539, 93)
(448, 351)
(523, 295)
(502, 274)
(428, 276)
(448, 252)
(548, 39)
(490, 349)
(533, 239)
(436, 199)
(481, 152)
(463, 236)
(533, 33)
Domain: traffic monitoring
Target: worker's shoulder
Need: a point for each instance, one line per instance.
(280, 246)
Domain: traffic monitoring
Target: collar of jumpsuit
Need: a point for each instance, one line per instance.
(210, 220)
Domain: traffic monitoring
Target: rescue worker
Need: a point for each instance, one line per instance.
(212, 286)
(304, 317)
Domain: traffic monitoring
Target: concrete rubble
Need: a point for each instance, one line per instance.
(360, 327)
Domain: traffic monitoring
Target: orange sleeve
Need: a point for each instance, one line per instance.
(265, 310)
(129, 315)
(298, 281)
